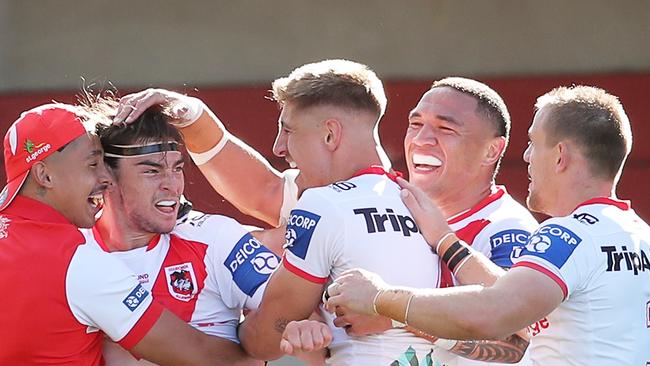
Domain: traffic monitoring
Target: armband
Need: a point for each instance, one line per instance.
(204, 157)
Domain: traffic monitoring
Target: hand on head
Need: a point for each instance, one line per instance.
(183, 110)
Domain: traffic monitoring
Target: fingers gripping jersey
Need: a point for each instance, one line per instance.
(206, 271)
(60, 291)
(495, 227)
(362, 223)
(600, 257)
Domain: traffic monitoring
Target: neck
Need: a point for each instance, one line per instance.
(576, 191)
(118, 235)
(453, 203)
(358, 155)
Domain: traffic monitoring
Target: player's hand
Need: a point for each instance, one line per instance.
(305, 336)
(360, 325)
(355, 290)
(183, 110)
(432, 224)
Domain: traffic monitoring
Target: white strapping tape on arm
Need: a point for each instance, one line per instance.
(289, 194)
(204, 157)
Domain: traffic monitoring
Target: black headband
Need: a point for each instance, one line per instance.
(126, 151)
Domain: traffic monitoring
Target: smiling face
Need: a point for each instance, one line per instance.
(79, 177)
(147, 191)
(446, 144)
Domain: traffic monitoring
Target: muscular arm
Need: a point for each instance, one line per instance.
(239, 173)
(517, 299)
(287, 297)
(172, 342)
(509, 350)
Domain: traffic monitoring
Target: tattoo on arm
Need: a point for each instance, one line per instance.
(509, 350)
(280, 325)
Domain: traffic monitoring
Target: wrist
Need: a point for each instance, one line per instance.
(187, 110)
(394, 303)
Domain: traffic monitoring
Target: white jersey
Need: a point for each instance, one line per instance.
(495, 227)
(206, 271)
(362, 223)
(600, 257)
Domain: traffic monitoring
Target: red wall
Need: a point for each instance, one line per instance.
(248, 114)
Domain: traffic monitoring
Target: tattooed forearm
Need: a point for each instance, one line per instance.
(280, 324)
(509, 350)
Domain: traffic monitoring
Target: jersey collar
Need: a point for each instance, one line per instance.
(621, 204)
(32, 209)
(376, 169)
(98, 238)
(496, 193)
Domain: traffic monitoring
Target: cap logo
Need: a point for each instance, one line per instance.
(35, 150)
(13, 139)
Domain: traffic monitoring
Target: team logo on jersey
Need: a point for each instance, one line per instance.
(181, 281)
(552, 242)
(250, 264)
(4, 226)
(300, 228)
(586, 218)
(135, 298)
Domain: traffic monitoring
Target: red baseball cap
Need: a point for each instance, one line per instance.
(37, 134)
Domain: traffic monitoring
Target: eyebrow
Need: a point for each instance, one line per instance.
(156, 164)
(96, 152)
(438, 116)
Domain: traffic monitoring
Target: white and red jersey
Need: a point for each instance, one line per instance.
(599, 256)
(60, 291)
(495, 226)
(362, 223)
(205, 271)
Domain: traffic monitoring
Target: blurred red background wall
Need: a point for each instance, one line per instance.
(248, 114)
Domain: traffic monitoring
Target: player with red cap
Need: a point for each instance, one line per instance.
(64, 295)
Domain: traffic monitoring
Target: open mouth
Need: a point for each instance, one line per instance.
(167, 206)
(425, 162)
(96, 200)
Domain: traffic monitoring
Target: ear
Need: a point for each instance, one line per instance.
(42, 175)
(562, 156)
(494, 150)
(333, 133)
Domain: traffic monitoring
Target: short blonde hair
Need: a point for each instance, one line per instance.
(339, 83)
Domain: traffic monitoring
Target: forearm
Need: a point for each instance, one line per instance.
(451, 313)
(260, 344)
(475, 268)
(509, 350)
(237, 172)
